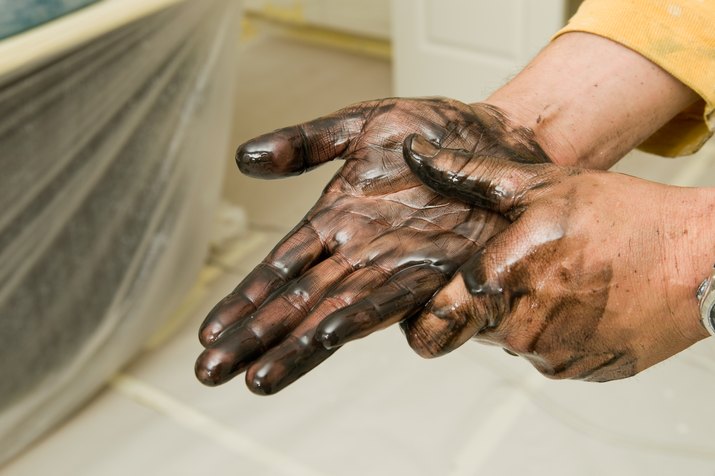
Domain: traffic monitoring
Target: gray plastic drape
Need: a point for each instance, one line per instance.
(110, 165)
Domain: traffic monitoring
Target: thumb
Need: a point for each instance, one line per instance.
(478, 300)
(488, 182)
(296, 149)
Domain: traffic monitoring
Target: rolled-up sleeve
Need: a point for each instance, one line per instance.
(678, 36)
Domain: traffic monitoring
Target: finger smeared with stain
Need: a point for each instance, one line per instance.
(292, 256)
(485, 181)
(233, 351)
(300, 351)
(454, 315)
(397, 299)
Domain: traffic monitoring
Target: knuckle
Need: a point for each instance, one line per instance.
(338, 301)
(521, 344)
(549, 367)
(297, 296)
(552, 374)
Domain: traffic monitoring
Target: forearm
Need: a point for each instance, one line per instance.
(590, 100)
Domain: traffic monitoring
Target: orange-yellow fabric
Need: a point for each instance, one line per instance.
(678, 36)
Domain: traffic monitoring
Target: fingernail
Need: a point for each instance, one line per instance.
(477, 288)
(251, 155)
(260, 382)
(333, 330)
(261, 157)
(212, 368)
(422, 148)
(475, 277)
(209, 334)
(329, 340)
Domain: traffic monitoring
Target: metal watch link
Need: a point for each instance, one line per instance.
(706, 299)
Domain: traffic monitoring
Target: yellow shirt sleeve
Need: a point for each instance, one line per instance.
(678, 36)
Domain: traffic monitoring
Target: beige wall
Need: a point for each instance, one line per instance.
(282, 82)
(362, 17)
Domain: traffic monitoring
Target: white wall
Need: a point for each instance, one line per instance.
(467, 48)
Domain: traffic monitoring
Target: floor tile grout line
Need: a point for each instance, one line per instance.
(201, 424)
(481, 444)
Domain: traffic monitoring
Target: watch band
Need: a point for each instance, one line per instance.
(706, 299)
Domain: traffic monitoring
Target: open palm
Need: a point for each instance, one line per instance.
(372, 250)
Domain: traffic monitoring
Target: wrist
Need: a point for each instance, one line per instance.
(589, 100)
(690, 251)
(511, 133)
(542, 125)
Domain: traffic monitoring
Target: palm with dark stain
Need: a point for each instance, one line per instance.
(373, 249)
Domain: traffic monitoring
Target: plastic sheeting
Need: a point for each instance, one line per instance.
(111, 157)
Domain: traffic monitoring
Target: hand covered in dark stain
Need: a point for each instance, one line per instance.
(373, 249)
(594, 278)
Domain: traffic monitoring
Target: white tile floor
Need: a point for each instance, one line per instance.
(375, 408)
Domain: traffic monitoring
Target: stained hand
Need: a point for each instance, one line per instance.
(594, 278)
(373, 249)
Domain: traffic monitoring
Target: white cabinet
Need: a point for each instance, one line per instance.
(466, 48)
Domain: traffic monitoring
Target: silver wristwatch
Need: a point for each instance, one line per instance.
(706, 298)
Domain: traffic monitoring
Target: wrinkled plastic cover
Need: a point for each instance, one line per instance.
(111, 157)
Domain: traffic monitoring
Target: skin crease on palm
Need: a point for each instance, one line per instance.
(593, 279)
(373, 249)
